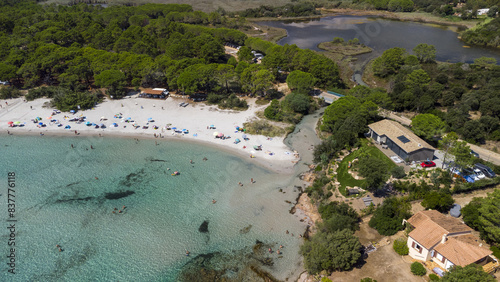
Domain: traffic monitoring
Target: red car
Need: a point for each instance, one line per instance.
(428, 164)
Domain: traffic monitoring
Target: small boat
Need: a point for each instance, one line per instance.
(176, 173)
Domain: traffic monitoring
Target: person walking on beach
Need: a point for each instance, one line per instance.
(251, 180)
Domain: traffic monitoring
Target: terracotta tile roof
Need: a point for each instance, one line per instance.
(431, 225)
(428, 234)
(393, 130)
(460, 251)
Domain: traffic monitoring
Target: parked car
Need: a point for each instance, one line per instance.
(474, 154)
(428, 164)
(479, 173)
(470, 173)
(485, 169)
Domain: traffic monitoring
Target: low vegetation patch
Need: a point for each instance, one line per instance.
(350, 48)
(263, 127)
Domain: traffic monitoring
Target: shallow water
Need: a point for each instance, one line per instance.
(60, 201)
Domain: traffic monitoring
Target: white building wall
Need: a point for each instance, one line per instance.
(414, 253)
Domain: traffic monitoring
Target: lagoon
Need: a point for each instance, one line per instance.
(381, 34)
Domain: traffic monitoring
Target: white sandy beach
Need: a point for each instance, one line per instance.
(196, 117)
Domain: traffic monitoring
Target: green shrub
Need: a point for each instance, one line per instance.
(434, 277)
(9, 93)
(398, 172)
(496, 251)
(400, 247)
(368, 279)
(418, 269)
(318, 168)
(40, 92)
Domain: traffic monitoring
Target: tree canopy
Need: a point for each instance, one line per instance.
(388, 217)
(471, 272)
(427, 126)
(339, 250)
(482, 215)
(425, 53)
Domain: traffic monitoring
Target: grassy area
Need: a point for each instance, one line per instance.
(272, 34)
(343, 175)
(264, 127)
(344, 48)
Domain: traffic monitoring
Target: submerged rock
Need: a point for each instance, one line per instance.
(204, 227)
(239, 265)
(118, 195)
(245, 230)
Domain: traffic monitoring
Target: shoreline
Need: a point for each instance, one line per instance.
(275, 154)
(411, 17)
(407, 17)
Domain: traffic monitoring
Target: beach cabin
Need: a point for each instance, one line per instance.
(155, 93)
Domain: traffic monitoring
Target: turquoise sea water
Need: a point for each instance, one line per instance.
(59, 201)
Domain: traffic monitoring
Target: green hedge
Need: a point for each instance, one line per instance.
(418, 269)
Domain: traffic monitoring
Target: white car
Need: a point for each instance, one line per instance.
(479, 173)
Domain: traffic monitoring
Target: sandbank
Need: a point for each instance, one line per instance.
(196, 118)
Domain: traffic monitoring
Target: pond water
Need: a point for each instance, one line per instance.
(382, 34)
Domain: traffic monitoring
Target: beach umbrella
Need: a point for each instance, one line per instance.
(10, 122)
(174, 128)
(40, 123)
(184, 130)
(88, 123)
(150, 119)
(72, 111)
(252, 152)
(237, 140)
(49, 117)
(216, 133)
(115, 124)
(212, 125)
(220, 134)
(67, 127)
(129, 118)
(17, 122)
(244, 136)
(103, 118)
(101, 125)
